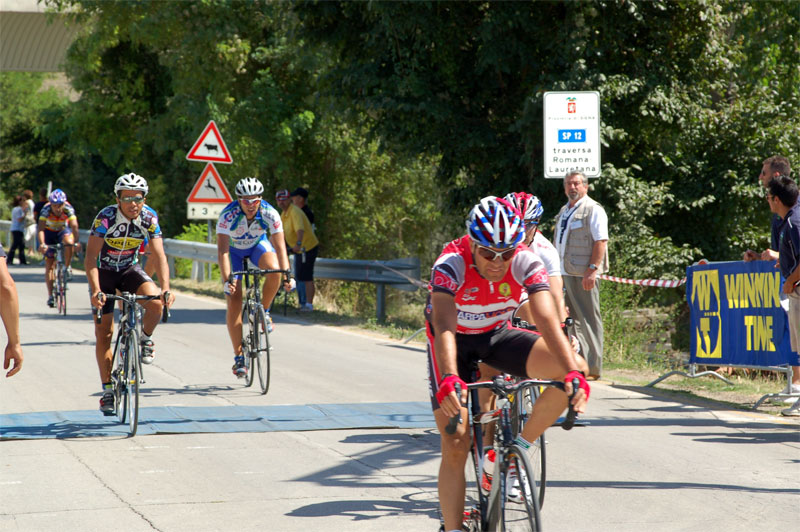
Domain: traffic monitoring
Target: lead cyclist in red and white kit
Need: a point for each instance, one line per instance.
(476, 283)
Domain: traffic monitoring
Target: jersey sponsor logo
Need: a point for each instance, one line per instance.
(488, 315)
(276, 225)
(538, 277)
(470, 294)
(442, 280)
(504, 289)
(124, 243)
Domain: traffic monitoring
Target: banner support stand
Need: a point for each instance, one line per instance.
(691, 375)
(787, 370)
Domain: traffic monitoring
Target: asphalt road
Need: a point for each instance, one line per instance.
(642, 462)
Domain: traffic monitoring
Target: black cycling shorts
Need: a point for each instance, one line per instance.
(505, 349)
(304, 271)
(128, 280)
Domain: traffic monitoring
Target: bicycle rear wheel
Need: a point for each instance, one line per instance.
(249, 340)
(525, 515)
(261, 343)
(132, 381)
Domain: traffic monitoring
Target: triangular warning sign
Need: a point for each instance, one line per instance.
(210, 147)
(209, 188)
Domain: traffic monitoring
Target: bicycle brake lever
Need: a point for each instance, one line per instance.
(455, 421)
(572, 414)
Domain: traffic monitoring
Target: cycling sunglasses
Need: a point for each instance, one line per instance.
(250, 201)
(132, 199)
(491, 255)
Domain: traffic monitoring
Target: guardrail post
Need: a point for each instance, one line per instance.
(171, 264)
(197, 271)
(380, 303)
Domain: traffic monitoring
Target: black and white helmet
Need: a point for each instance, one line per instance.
(249, 186)
(131, 182)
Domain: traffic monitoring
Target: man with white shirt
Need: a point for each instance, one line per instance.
(582, 243)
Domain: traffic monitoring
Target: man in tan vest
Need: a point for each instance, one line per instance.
(581, 240)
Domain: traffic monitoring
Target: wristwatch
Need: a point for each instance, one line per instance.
(593, 266)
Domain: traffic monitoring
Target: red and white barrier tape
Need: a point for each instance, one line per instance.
(660, 283)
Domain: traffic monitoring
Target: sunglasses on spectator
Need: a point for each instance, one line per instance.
(491, 255)
(132, 199)
(250, 201)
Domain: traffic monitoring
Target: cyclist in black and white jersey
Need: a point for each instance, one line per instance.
(112, 263)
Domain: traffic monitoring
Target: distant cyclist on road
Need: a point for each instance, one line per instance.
(57, 224)
(112, 263)
(476, 283)
(249, 228)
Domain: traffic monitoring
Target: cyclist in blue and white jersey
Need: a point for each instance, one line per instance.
(249, 228)
(112, 263)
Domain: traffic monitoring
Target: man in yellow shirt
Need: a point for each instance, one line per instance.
(301, 241)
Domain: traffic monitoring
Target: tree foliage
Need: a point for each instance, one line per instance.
(398, 116)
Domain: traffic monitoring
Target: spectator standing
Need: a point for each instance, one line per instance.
(30, 222)
(37, 207)
(9, 313)
(300, 199)
(18, 214)
(582, 243)
(782, 196)
(302, 241)
(772, 167)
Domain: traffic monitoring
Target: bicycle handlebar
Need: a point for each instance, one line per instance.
(256, 271)
(132, 298)
(499, 386)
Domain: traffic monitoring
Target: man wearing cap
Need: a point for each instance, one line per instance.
(300, 239)
(300, 198)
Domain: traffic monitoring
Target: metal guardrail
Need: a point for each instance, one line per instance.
(402, 274)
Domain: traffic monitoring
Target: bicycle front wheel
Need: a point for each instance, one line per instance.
(133, 377)
(61, 290)
(119, 370)
(524, 515)
(536, 454)
(261, 343)
(250, 340)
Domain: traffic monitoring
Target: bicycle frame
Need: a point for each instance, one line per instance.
(491, 507)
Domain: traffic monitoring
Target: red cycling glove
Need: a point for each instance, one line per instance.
(447, 385)
(582, 380)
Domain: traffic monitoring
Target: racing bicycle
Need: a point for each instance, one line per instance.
(126, 365)
(255, 331)
(492, 511)
(60, 281)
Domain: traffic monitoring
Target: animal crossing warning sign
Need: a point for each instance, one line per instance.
(208, 197)
(210, 188)
(210, 147)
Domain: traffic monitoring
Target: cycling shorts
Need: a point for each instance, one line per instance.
(128, 280)
(506, 349)
(304, 270)
(254, 253)
(53, 238)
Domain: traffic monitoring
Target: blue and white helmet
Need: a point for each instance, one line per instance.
(58, 196)
(495, 223)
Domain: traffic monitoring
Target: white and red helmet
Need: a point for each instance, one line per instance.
(528, 206)
(495, 223)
